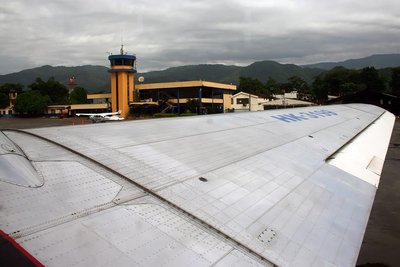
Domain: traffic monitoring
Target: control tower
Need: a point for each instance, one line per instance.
(122, 81)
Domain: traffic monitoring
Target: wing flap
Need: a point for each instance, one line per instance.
(364, 155)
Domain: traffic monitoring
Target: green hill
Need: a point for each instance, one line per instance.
(280, 72)
(97, 78)
(92, 78)
(218, 73)
(231, 74)
(377, 61)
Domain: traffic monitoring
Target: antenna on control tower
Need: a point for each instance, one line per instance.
(122, 43)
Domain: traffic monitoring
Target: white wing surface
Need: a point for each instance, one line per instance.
(287, 187)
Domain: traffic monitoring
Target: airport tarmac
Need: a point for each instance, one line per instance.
(381, 242)
(27, 123)
(380, 247)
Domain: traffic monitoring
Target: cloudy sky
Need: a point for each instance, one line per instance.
(172, 33)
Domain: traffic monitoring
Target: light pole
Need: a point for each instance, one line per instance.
(249, 102)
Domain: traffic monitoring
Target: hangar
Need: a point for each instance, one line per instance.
(211, 96)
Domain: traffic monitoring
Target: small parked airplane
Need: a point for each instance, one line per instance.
(102, 117)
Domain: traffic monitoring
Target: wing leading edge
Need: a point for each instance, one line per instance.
(132, 194)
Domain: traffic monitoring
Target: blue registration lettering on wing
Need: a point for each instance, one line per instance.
(290, 117)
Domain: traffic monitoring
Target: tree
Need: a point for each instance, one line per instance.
(371, 80)
(272, 86)
(395, 82)
(31, 102)
(253, 86)
(337, 77)
(4, 100)
(319, 90)
(283, 88)
(11, 87)
(349, 88)
(297, 83)
(301, 86)
(57, 92)
(338, 81)
(78, 96)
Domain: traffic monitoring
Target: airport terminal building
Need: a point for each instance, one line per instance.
(163, 97)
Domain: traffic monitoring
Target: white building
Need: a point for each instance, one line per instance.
(243, 101)
(286, 103)
(290, 95)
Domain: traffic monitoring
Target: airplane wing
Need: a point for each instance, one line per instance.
(291, 187)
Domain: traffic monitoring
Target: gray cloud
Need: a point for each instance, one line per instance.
(170, 33)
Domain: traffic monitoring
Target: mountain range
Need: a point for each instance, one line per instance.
(378, 61)
(97, 78)
(93, 78)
